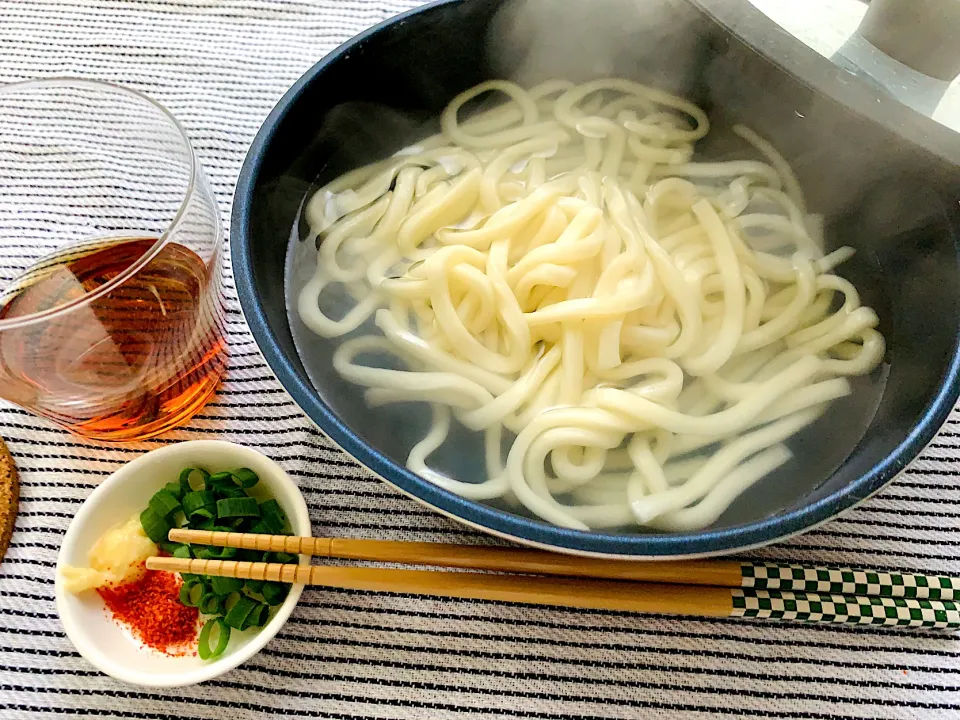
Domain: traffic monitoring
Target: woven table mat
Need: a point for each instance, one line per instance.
(220, 66)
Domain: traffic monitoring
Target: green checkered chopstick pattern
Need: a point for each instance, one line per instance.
(844, 581)
(856, 610)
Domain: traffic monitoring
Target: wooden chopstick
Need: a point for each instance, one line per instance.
(721, 573)
(712, 573)
(592, 593)
(569, 592)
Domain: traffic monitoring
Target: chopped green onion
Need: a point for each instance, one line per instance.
(246, 477)
(260, 527)
(219, 502)
(220, 479)
(198, 500)
(257, 617)
(274, 593)
(230, 492)
(223, 639)
(154, 526)
(230, 600)
(225, 585)
(183, 552)
(212, 525)
(191, 592)
(238, 507)
(171, 548)
(185, 484)
(164, 503)
(203, 523)
(241, 478)
(217, 553)
(211, 604)
(273, 516)
(237, 615)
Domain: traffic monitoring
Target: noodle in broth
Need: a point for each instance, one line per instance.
(642, 331)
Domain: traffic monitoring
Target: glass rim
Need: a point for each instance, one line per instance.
(158, 245)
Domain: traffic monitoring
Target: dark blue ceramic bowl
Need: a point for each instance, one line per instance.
(885, 178)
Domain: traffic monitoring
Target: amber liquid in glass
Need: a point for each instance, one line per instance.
(139, 360)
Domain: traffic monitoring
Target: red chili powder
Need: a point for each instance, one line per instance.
(151, 608)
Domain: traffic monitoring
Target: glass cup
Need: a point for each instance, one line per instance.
(111, 312)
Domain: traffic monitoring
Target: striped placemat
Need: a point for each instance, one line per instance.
(220, 66)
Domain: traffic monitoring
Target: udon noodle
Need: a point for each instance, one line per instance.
(636, 334)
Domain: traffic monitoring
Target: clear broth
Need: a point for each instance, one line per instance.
(394, 429)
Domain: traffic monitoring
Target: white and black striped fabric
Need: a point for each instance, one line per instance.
(220, 65)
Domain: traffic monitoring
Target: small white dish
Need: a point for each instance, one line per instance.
(103, 641)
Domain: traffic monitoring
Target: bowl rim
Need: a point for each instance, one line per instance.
(525, 530)
(299, 519)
